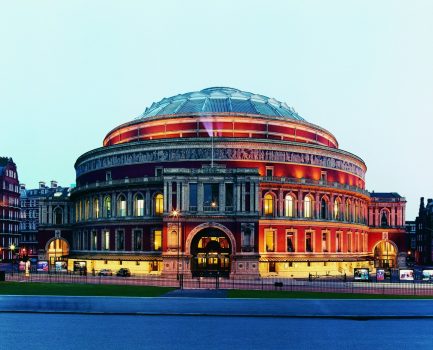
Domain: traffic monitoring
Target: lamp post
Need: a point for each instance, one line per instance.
(176, 214)
(12, 248)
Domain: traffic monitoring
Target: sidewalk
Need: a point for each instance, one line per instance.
(186, 306)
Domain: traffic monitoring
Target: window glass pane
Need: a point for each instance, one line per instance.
(193, 197)
(269, 240)
(157, 240)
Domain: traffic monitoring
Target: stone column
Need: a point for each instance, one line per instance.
(256, 197)
(129, 204)
(147, 204)
(300, 206)
(392, 218)
(200, 197)
(50, 214)
(113, 205)
(280, 203)
(243, 197)
(222, 197)
(170, 196)
(376, 214)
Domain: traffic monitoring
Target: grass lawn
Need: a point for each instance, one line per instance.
(315, 295)
(17, 288)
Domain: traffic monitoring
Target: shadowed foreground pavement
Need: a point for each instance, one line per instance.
(219, 306)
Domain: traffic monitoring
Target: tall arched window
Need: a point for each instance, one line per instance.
(384, 219)
(87, 209)
(107, 206)
(58, 216)
(348, 208)
(356, 212)
(288, 206)
(308, 207)
(121, 206)
(337, 209)
(159, 204)
(139, 205)
(268, 204)
(324, 208)
(95, 208)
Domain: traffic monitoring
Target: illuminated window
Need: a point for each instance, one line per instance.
(348, 216)
(107, 206)
(139, 205)
(308, 206)
(106, 240)
(337, 209)
(157, 240)
(159, 204)
(173, 239)
(121, 206)
(288, 206)
(269, 240)
(95, 208)
(269, 204)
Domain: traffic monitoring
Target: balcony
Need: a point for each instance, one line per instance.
(321, 183)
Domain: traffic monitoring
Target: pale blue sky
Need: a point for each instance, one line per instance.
(70, 71)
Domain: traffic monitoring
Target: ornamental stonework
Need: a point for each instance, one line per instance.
(223, 154)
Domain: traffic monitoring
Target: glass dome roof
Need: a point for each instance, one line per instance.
(220, 100)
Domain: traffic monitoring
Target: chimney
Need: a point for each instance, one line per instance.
(53, 184)
(22, 187)
(421, 206)
(41, 184)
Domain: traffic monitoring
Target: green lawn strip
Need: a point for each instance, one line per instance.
(16, 288)
(315, 295)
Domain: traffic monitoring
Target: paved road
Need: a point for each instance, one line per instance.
(68, 332)
(220, 307)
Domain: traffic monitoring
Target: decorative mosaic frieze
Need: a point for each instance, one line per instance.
(222, 154)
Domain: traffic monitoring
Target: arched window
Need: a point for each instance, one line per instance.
(121, 206)
(308, 207)
(288, 206)
(95, 208)
(58, 216)
(159, 204)
(356, 212)
(324, 208)
(268, 204)
(348, 209)
(139, 205)
(384, 219)
(173, 239)
(87, 209)
(107, 206)
(337, 209)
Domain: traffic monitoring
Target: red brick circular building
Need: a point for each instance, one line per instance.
(227, 182)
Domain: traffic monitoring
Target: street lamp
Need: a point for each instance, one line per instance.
(12, 248)
(176, 214)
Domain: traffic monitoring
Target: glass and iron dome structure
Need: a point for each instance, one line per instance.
(220, 112)
(221, 100)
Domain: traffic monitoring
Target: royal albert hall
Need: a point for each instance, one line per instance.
(229, 183)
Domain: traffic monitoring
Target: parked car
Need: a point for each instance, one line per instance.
(105, 272)
(123, 272)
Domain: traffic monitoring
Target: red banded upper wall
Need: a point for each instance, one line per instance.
(220, 126)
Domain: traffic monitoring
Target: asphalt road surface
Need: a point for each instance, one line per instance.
(60, 331)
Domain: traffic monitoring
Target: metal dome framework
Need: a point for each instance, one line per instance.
(221, 100)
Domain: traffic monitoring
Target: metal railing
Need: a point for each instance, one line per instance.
(316, 283)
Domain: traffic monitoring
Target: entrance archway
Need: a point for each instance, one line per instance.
(56, 249)
(385, 254)
(210, 249)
